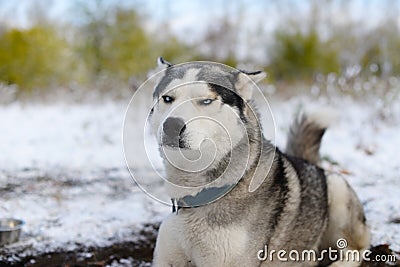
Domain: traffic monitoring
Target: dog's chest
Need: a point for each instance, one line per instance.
(222, 244)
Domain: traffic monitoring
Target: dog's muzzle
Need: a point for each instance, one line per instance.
(173, 132)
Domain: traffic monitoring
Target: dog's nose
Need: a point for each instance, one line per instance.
(173, 129)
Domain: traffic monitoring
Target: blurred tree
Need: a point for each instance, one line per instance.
(301, 55)
(371, 60)
(381, 53)
(221, 40)
(127, 48)
(90, 43)
(34, 58)
(114, 43)
(173, 49)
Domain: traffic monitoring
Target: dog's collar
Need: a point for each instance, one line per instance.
(205, 196)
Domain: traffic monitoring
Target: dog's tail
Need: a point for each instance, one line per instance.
(306, 132)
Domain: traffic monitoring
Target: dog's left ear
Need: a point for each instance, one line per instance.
(246, 81)
(162, 63)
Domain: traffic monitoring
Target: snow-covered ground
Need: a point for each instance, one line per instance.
(62, 169)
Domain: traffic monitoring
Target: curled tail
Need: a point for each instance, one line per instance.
(306, 132)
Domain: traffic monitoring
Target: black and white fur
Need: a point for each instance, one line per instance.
(298, 206)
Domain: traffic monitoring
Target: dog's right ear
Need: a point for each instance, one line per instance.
(245, 82)
(163, 64)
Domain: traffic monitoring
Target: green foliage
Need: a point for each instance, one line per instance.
(373, 55)
(111, 42)
(301, 55)
(118, 46)
(33, 58)
(381, 51)
(230, 60)
(174, 50)
(128, 47)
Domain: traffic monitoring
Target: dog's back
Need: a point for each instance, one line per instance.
(344, 212)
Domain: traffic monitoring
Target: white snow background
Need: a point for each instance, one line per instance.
(62, 169)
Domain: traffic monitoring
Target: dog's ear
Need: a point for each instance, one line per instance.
(246, 81)
(162, 63)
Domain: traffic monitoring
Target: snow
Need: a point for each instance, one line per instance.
(62, 170)
(79, 137)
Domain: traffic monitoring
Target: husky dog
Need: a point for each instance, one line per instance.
(213, 147)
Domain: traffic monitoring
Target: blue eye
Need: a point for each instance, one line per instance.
(207, 101)
(168, 99)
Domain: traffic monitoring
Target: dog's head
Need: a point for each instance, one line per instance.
(201, 106)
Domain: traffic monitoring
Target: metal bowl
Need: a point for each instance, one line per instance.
(10, 230)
